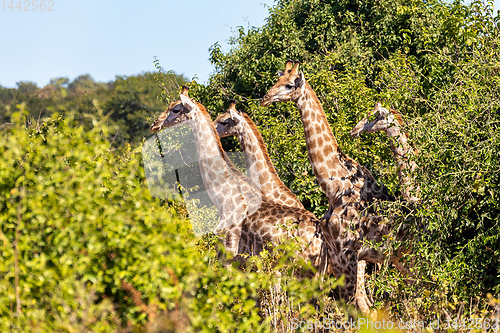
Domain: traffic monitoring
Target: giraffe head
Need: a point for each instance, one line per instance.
(227, 123)
(385, 120)
(288, 86)
(177, 112)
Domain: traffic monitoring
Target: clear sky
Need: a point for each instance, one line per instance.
(110, 37)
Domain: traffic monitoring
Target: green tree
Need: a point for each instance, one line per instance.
(131, 102)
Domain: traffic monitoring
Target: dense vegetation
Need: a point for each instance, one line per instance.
(439, 65)
(128, 102)
(85, 247)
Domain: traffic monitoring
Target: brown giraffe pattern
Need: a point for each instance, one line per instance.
(349, 187)
(250, 234)
(233, 207)
(238, 123)
(391, 123)
(258, 162)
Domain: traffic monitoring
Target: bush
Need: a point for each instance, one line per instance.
(85, 247)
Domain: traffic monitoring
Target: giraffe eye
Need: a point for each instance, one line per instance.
(224, 123)
(177, 108)
(289, 86)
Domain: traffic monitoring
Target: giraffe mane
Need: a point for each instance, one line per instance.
(205, 113)
(262, 145)
(233, 168)
(399, 118)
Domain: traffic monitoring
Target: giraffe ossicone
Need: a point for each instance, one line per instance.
(235, 115)
(187, 102)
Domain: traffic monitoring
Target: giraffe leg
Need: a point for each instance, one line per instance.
(351, 281)
(232, 243)
(360, 298)
(349, 269)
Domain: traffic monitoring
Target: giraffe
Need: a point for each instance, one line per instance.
(391, 122)
(234, 122)
(349, 187)
(239, 124)
(250, 234)
(231, 208)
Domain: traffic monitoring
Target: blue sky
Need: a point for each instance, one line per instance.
(109, 38)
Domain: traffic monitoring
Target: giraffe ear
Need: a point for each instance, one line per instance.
(280, 73)
(383, 111)
(187, 102)
(299, 80)
(235, 116)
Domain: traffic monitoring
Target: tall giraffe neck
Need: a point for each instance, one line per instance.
(324, 153)
(348, 185)
(261, 169)
(402, 151)
(220, 180)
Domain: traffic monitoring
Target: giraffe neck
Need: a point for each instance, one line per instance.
(221, 182)
(406, 167)
(260, 167)
(324, 153)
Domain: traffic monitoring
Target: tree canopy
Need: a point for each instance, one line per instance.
(130, 102)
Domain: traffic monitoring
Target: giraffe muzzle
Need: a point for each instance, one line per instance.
(265, 101)
(354, 134)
